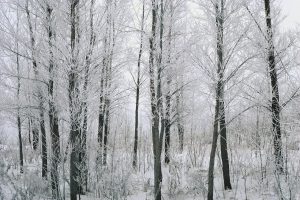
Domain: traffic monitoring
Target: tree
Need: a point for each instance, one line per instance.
(221, 84)
(219, 108)
(74, 101)
(168, 92)
(137, 97)
(180, 126)
(275, 107)
(39, 92)
(54, 128)
(105, 81)
(18, 97)
(83, 154)
(154, 95)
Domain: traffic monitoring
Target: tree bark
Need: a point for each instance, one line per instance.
(29, 131)
(159, 76)
(35, 135)
(180, 127)
(74, 103)
(103, 89)
(111, 5)
(18, 111)
(101, 115)
(222, 119)
(39, 94)
(219, 110)
(137, 97)
(275, 91)
(210, 194)
(20, 143)
(44, 140)
(223, 144)
(154, 109)
(83, 155)
(168, 127)
(168, 95)
(54, 128)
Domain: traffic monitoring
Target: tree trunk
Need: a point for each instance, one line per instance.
(39, 94)
(20, 143)
(35, 135)
(219, 110)
(223, 144)
(168, 95)
(83, 155)
(74, 104)
(29, 131)
(180, 127)
(106, 133)
(137, 97)
(168, 126)
(275, 92)
(154, 109)
(44, 140)
(101, 116)
(136, 126)
(159, 76)
(103, 87)
(210, 194)
(222, 119)
(18, 97)
(108, 68)
(54, 128)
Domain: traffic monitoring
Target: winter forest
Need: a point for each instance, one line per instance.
(149, 100)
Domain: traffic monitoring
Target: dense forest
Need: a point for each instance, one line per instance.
(148, 99)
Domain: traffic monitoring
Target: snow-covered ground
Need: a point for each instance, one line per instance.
(252, 176)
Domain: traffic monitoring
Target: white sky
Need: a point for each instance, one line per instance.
(291, 9)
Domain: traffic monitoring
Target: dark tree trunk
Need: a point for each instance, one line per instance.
(101, 116)
(74, 104)
(103, 87)
(159, 63)
(29, 132)
(106, 133)
(154, 108)
(20, 144)
(107, 112)
(168, 126)
(44, 140)
(275, 92)
(210, 194)
(19, 122)
(159, 75)
(39, 94)
(110, 35)
(83, 155)
(168, 95)
(181, 136)
(222, 119)
(35, 135)
(224, 152)
(18, 97)
(180, 127)
(137, 97)
(136, 126)
(54, 128)
(219, 110)
(55, 151)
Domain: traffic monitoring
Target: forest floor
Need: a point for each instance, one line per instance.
(252, 177)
